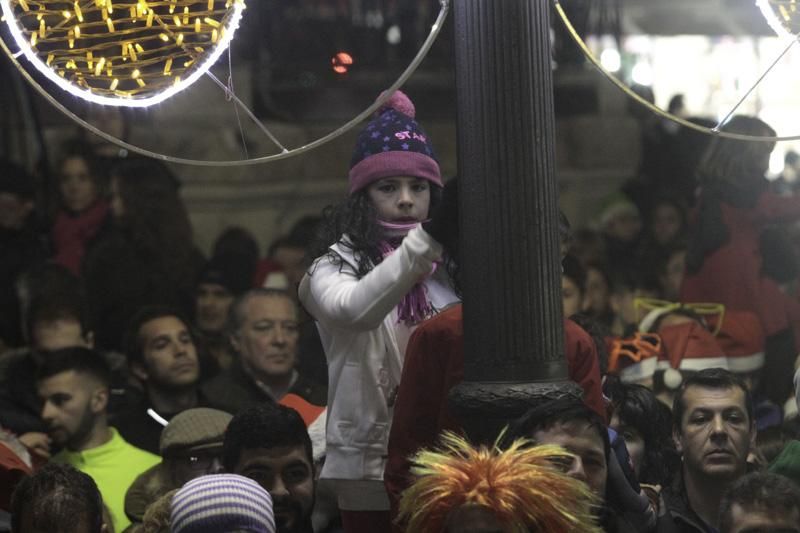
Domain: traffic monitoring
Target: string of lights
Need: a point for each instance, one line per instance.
(285, 153)
(129, 53)
(782, 16)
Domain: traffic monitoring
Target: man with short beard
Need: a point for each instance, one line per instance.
(269, 444)
(73, 387)
(714, 430)
(162, 355)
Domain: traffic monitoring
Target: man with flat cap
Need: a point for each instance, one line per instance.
(191, 446)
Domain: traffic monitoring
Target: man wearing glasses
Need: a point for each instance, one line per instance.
(191, 446)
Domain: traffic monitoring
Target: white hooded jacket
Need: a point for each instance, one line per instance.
(357, 320)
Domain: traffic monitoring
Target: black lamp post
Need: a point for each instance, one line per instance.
(513, 329)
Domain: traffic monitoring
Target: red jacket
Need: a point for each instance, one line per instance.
(73, 233)
(731, 274)
(434, 364)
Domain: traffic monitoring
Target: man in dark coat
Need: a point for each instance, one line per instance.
(264, 332)
(714, 429)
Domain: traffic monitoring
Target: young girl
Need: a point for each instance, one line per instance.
(376, 277)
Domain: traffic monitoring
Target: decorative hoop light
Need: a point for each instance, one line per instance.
(782, 16)
(135, 53)
(714, 132)
(285, 153)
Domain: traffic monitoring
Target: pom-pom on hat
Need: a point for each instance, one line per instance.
(222, 502)
(393, 144)
(688, 347)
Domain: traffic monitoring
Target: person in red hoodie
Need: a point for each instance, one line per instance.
(726, 261)
(83, 211)
(434, 364)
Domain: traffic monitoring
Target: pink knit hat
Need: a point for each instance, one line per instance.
(393, 144)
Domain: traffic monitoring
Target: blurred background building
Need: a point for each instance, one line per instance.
(308, 66)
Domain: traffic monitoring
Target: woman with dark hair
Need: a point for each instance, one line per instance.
(83, 210)
(148, 257)
(646, 425)
(597, 294)
(725, 260)
(665, 230)
(377, 275)
(666, 223)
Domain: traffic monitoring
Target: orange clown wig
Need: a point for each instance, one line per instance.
(522, 486)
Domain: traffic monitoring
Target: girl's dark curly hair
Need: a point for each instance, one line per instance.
(357, 219)
(155, 217)
(637, 407)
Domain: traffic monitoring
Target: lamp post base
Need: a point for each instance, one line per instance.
(485, 409)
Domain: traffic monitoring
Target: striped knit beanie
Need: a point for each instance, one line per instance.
(393, 144)
(222, 503)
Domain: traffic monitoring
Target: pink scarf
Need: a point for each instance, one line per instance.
(72, 233)
(415, 306)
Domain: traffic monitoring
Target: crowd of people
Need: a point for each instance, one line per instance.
(147, 388)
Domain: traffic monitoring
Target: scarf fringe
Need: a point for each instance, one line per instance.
(415, 306)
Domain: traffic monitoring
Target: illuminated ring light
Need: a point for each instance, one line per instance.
(412, 67)
(779, 25)
(134, 55)
(652, 107)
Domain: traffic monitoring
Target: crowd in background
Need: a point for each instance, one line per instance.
(146, 387)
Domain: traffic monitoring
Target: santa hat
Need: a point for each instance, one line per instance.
(688, 347)
(315, 418)
(741, 337)
(270, 275)
(393, 144)
(14, 466)
(614, 206)
(634, 358)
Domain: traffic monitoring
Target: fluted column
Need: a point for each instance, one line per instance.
(509, 247)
